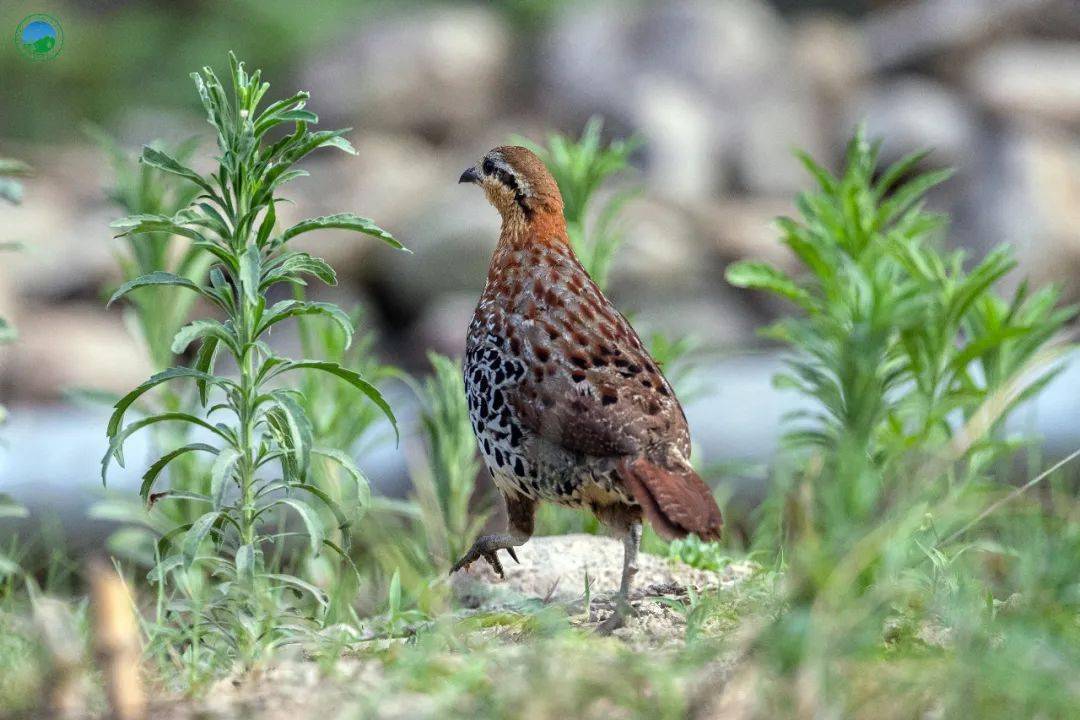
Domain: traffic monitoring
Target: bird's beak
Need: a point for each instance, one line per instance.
(469, 176)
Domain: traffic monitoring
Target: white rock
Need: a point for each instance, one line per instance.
(1030, 79)
(681, 138)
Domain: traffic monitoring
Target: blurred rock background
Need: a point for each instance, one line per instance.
(718, 91)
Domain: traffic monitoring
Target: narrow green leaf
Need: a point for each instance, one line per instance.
(363, 487)
(294, 308)
(332, 506)
(160, 278)
(117, 444)
(204, 363)
(762, 276)
(245, 564)
(312, 522)
(220, 473)
(161, 377)
(294, 429)
(195, 536)
(343, 221)
(348, 376)
(251, 272)
(299, 584)
(151, 475)
(162, 161)
(203, 329)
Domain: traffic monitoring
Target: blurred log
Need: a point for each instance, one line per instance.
(116, 642)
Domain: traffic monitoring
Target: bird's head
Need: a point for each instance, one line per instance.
(517, 183)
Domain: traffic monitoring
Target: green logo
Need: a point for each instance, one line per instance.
(39, 37)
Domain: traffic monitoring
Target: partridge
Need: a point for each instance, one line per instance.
(566, 403)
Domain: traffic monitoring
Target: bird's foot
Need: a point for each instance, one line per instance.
(487, 547)
(617, 618)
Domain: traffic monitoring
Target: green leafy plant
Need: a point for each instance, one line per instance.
(909, 357)
(912, 361)
(694, 552)
(340, 423)
(141, 188)
(153, 319)
(416, 540)
(448, 484)
(233, 218)
(10, 190)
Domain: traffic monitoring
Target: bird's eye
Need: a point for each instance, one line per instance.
(488, 167)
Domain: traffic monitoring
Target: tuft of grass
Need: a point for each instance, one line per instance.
(141, 188)
(10, 190)
(900, 597)
(416, 540)
(226, 591)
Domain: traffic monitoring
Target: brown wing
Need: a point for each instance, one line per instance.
(590, 385)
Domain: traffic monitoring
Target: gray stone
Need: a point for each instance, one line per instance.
(587, 59)
(442, 326)
(683, 138)
(911, 113)
(433, 70)
(708, 86)
(661, 251)
(910, 32)
(745, 229)
(1029, 79)
(452, 240)
(773, 123)
(63, 224)
(77, 346)
(1036, 204)
(726, 47)
(829, 52)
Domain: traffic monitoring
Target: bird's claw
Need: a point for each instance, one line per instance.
(491, 556)
(617, 618)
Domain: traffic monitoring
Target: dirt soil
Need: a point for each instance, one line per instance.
(552, 572)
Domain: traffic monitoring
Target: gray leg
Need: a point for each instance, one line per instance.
(631, 542)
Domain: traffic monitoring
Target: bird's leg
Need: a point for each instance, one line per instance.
(520, 512)
(487, 547)
(631, 542)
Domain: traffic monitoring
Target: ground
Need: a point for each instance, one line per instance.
(501, 631)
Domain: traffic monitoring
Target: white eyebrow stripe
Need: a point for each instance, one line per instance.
(500, 164)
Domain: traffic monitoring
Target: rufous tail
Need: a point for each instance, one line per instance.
(676, 502)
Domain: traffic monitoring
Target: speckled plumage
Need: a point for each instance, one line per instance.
(566, 403)
(559, 385)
